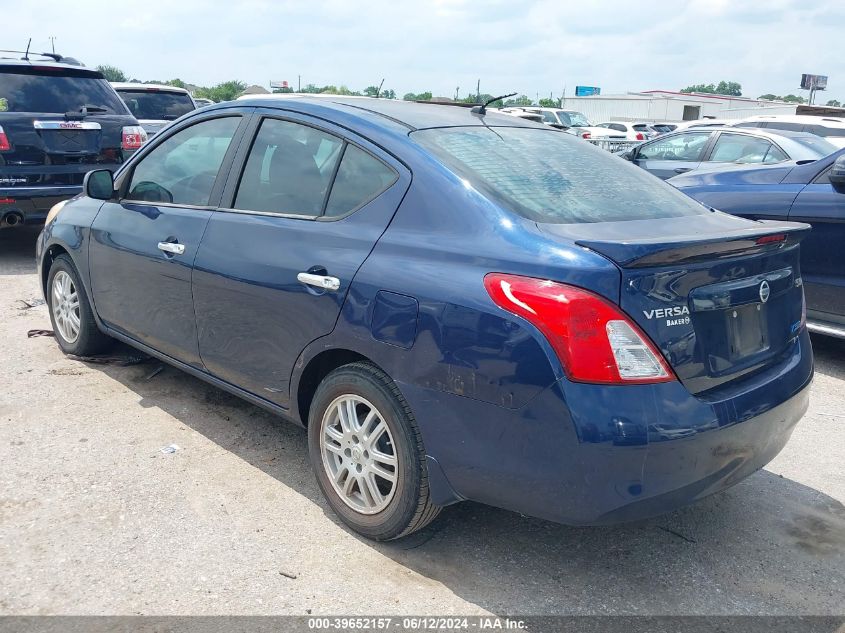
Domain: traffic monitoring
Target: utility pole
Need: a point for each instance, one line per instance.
(457, 90)
(299, 83)
(478, 91)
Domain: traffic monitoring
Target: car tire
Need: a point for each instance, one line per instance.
(368, 454)
(71, 314)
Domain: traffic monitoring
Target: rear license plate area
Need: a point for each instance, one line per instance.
(748, 332)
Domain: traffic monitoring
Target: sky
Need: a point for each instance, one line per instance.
(530, 47)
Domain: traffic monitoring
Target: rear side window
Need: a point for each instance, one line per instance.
(289, 169)
(360, 178)
(183, 168)
(161, 105)
(548, 176)
(56, 92)
(688, 147)
(739, 148)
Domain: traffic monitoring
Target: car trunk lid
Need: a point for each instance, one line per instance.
(720, 296)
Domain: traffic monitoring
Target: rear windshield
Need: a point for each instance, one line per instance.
(548, 176)
(50, 91)
(159, 105)
(816, 145)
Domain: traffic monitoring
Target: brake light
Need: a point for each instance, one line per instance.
(585, 135)
(4, 141)
(594, 340)
(7, 201)
(133, 137)
(771, 239)
(640, 136)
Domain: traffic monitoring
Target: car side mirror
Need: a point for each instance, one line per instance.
(99, 184)
(629, 155)
(837, 174)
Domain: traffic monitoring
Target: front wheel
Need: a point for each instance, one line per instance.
(368, 455)
(70, 311)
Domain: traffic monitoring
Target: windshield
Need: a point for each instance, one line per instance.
(47, 91)
(159, 104)
(817, 145)
(573, 119)
(551, 177)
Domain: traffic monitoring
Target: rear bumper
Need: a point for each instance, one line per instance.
(590, 455)
(32, 204)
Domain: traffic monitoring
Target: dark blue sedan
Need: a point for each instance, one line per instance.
(456, 304)
(814, 193)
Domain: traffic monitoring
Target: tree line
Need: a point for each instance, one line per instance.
(734, 89)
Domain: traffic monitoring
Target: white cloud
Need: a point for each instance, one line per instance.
(438, 45)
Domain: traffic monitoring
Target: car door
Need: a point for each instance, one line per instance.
(673, 154)
(822, 206)
(297, 220)
(144, 243)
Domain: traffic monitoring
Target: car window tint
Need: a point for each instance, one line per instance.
(549, 117)
(618, 127)
(775, 155)
(288, 170)
(360, 178)
(738, 148)
(551, 177)
(42, 91)
(159, 105)
(687, 147)
(182, 169)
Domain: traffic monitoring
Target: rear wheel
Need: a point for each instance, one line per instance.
(368, 455)
(70, 312)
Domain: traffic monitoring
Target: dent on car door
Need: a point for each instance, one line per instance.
(823, 206)
(143, 244)
(672, 155)
(273, 269)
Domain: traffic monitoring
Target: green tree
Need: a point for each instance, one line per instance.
(729, 88)
(769, 97)
(177, 83)
(790, 98)
(226, 91)
(521, 100)
(388, 94)
(371, 91)
(833, 103)
(111, 73)
(422, 96)
(549, 103)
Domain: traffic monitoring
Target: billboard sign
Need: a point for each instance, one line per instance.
(587, 91)
(279, 84)
(813, 82)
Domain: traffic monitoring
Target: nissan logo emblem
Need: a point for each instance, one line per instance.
(764, 291)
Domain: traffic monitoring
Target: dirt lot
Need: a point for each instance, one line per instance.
(94, 519)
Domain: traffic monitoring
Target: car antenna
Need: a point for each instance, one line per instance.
(378, 91)
(26, 54)
(482, 109)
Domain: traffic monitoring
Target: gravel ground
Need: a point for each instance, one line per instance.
(94, 519)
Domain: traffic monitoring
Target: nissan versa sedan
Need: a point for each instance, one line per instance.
(456, 304)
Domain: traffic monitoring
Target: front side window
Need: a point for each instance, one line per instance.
(183, 168)
(738, 148)
(551, 177)
(289, 169)
(687, 147)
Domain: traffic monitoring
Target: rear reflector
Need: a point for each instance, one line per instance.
(4, 141)
(133, 137)
(771, 239)
(594, 340)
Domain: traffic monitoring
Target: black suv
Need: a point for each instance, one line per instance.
(57, 122)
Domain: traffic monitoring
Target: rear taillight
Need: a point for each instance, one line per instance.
(4, 141)
(7, 201)
(594, 340)
(640, 136)
(585, 135)
(133, 137)
(771, 239)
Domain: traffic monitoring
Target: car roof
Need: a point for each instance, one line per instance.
(126, 85)
(47, 64)
(749, 131)
(797, 118)
(412, 115)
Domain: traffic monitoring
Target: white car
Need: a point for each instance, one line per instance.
(831, 128)
(707, 123)
(155, 105)
(629, 130)
(572, 121)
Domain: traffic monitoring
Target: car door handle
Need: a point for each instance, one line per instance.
(320, 281)
(683, 170)
(171, 247)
